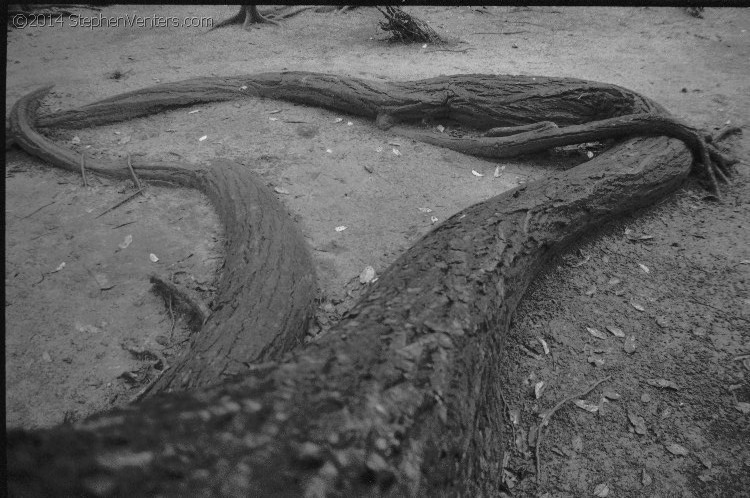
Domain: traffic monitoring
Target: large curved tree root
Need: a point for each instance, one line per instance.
(403, 396)
(267, 316)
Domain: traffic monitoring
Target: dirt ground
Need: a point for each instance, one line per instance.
(656, 303)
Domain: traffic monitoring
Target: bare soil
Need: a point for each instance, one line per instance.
(673, 417)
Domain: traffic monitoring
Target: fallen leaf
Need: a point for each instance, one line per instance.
(280, 190)
(46, 357)
(433, 219)
(273, 119)
(338, 120)
(204, 137)
(611, 395)
(663, 383)
(153, 258)
(676, 449)
(614, 281)
(425, 210)
(637, 306)
(596, 333)
(629, 346)
(329, 151)
(475, 173)
(59, 267)
(125, 243)
(601, 490)
(595, 360)
(275, 111)
(586, 406)
(340, 228)
(193, 112)
(75, 140)
(578, 443)
(615, 331)
(645, 478)
(396, 152)
(544, 345)
(638, 422)
(662, 322)
(704, 460)
(644, 267)
(743, 407)
(440, 128)
(103, 281)
(349, 123)
(243, 87)
(538, 389)
(367, 275)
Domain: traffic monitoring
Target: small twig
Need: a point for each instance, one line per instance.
(123, 225)
(462, 50)
(37, 210)
(547, 416)
(136, 182)
(499, 32)
(120, 203)
(83, 169)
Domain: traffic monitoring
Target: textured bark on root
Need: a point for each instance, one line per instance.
(406, 28)
(253, 318)
(403, 396)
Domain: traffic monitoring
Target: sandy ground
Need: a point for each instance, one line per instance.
(673, 279)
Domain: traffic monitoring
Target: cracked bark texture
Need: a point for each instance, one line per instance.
(267, 289)
(403, 396)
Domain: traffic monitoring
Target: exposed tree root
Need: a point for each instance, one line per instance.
(402, 397)
(262, 240)
(247, 16)
(407, 28)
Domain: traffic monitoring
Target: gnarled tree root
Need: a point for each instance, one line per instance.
(402, 397)
(266, 315)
